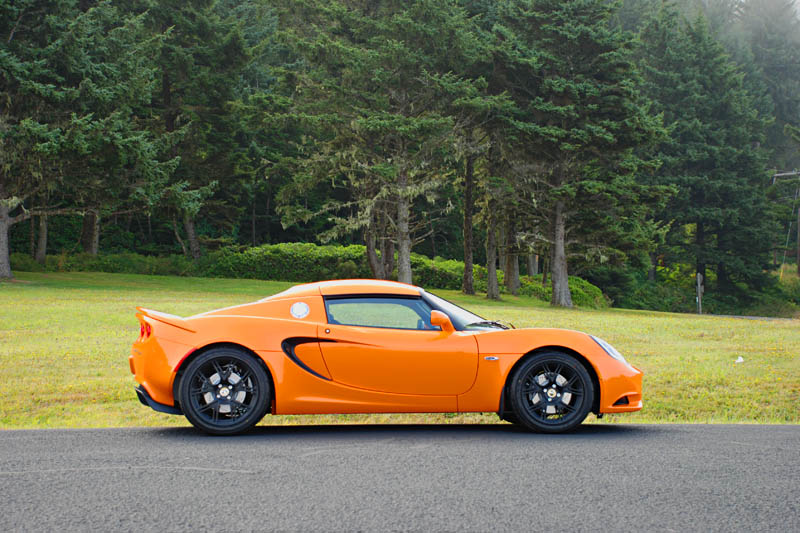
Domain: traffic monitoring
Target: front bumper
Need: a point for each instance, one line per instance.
(160, 407)
(622, 393)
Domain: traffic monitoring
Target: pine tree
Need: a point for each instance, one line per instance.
(382, 85)
(719, 216)
(571, 75)
(772, 29)
(73, 79)
(198, 66)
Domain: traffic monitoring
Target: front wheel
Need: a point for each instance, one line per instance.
(224, 391)
(551, 393)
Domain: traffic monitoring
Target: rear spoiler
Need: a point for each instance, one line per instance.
(166, 318)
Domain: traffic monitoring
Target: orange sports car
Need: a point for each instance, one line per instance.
(369, 346)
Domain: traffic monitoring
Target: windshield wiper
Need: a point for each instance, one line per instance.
(490, 323)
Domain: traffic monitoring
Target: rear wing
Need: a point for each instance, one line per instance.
(166, 318)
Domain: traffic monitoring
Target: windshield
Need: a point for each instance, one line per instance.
(461, 318)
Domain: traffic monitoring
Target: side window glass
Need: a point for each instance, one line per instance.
(376, 312)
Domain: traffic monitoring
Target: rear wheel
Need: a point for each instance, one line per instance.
(551, 392)
(224, 391)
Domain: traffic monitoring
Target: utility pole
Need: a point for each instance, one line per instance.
(796, 208)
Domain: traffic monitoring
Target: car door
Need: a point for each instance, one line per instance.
(387, 344)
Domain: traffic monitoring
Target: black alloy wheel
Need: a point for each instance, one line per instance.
(551, 393)
(224, 391)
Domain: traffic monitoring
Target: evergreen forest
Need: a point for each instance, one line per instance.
(648, 147)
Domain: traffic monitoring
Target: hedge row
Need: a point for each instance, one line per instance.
(300, 262)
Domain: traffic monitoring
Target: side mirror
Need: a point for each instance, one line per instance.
(442, 320)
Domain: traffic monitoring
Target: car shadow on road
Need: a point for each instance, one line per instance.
(500, 431)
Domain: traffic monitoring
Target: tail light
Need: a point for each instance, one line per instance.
(145, 330)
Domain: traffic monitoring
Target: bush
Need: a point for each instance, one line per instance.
(584, 294)
(125, 263)
(663, 296)
(439, 273)
(301, 262)
(25, 263)
(287, 262)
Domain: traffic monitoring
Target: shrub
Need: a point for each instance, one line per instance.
(25, 263)
(301, 262)
(584, 294)
(288, 262)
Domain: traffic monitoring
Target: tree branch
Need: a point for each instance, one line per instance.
(16, 25)
(28, 213)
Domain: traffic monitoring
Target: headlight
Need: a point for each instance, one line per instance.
(610, 350)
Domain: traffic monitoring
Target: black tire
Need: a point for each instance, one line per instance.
(224, 391)
(551, 392)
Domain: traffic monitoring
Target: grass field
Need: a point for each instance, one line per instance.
(65, 339)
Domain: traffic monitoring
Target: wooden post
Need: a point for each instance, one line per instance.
(700, 291)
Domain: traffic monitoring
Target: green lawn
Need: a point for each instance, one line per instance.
(65, 339)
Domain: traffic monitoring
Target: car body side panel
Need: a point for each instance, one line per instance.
(400, 361)
(276, 309)
(484, 396)
(299, 392)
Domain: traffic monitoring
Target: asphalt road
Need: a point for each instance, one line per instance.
(432, 478)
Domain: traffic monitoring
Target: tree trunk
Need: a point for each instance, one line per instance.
(512, 273)
(797, 252)
(492, 287)
(501, 245)
(468, 282)
(511, 266)
(533, 264)
(41, 247)
(403, 232)
(5, 226)
(266, 228)
(191, 236)
(545, 270)
(166, 97)
(253, 220)
(90, 233)
(178, 236)
(433, 240)
(723, 281)
(374, 262)
(387, 257)
(651, 272)
(558, 259)
(33, 238)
